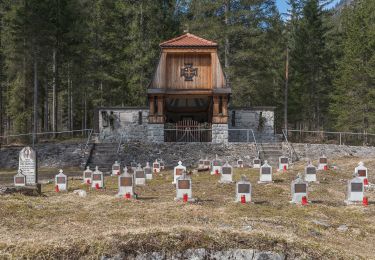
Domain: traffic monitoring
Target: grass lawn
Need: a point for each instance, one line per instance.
(64, 225)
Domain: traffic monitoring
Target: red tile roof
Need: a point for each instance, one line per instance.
(188, 40)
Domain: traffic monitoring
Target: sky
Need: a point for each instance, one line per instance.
(281, 4)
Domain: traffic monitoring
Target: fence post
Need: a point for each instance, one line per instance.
(247, 135)
(340, 138)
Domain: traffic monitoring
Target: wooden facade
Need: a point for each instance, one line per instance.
(189, 83)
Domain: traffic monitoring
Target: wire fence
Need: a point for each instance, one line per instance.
(327, 137)
(32, 138)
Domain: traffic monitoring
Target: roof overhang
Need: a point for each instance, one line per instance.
(162, 91)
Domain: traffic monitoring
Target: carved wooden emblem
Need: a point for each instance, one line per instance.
(188, 72)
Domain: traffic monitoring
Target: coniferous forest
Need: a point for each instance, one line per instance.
(60, 59)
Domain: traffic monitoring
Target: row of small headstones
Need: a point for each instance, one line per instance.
(135, 174)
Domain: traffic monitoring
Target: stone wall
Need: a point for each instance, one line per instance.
(155, 133)
(249, 118)
(131, 123)
(219, 133)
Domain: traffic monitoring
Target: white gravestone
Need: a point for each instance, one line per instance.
(355, 191)
(243, 188)
(28, 165)
(183, 188)
(140, 176)
(156, 166)
(178, 171)
(130, 169)
(299, 190)
(216, 166)
(61, 181)
(256, 163)
(97, 179)
(162, 164)
(226, 173)
(361, 171)
(87, 176)
(126, 184)
(19, 179)
(203, 164)
(310, 173)
(283, 163)
(148, 171)
(116, 169)
(323, 163)
(240, 163)
(133, 165)
(265, 173)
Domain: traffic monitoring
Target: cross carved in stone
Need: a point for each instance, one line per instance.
(188, 72)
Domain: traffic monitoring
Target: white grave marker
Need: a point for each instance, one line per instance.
(19, 179)
(126, 184)
(323, 163)
(356, 191)
(183, 188)
(148, 171)
(116, 169)
(226, 173)
(162, 164)
(28, 165)
(216, 166)
(283, 163)
(178, 171)
(265, 173)
(256, 163)
(61, 181)
(240, 163)
(97, 179)
(299, 190)
(140, 176)
(310, 173)
(361, 171)
(243, 191)
(87, 176)
(156, 166)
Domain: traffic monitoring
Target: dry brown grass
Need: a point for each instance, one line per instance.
(64, 225)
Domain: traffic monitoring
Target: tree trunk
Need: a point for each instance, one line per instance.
(54, 93)
(35, 100)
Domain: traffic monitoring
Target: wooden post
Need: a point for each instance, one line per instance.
(216, 106)
(160, 105)
(152, 107)
(225, 106)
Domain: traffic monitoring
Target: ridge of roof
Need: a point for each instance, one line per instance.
(188, 40)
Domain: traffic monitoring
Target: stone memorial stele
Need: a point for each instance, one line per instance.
(257, 163)
(178, 171)
(97, 179)
(243, 188)
(265, 173)
(226, 173)
(361, 171)
(323, 162)
(19, 179)
(28, 164)
(156, 166)
(140, 176)
(61, 181)
(148, 171)
(162, 164)
(116, 169)
(355, 191)
(299, 189)
(283, 163)
(183, 188)
(310, 173)
(216, 166)
(126, 184)
(87, 176)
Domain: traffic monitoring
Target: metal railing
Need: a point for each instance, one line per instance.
(330, 137)
(188, 135)
(290, 147)
(119, 144)
(241, 135)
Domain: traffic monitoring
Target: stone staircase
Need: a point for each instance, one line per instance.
(103, 155)
(270, 152)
